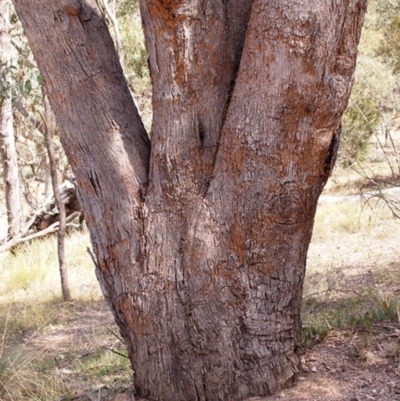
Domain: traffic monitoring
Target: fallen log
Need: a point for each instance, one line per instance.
(50, 214)
(49, 230)
(45, 220)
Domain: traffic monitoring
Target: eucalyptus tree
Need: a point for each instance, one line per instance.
(201, 234)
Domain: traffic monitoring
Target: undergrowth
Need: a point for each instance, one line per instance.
(49, 349)
(359, 311)
(352, 269)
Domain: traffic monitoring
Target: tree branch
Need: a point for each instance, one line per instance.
(295, 105)
(193, 75)
(101, 130)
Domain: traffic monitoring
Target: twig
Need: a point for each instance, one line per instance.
(93, 257)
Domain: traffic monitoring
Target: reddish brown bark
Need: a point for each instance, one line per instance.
(201, 244)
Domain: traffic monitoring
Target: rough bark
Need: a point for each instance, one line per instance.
(201, 248)
(50, 129)
(7, 141)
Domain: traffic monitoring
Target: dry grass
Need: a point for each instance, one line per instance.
(50, 349)
(32, 273)
(353, 270)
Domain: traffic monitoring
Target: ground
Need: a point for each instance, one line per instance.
(349, 365)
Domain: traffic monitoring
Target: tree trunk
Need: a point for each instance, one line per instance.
(201, 243)
(7, 141)
(50, 129)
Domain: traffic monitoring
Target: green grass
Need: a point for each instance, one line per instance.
(346, 312)
(102, 364)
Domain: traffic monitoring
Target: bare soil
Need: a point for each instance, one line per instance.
(349, 365)
(344, 368)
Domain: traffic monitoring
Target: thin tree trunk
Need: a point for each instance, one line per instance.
(50, 128)
(7, 141)
(48, 190)
(201, 243)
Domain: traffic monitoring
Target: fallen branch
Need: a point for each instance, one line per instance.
(45, 220)
(49, 230)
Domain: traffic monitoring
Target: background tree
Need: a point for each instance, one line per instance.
(50, 130)
(7, 142)
(372, 102)
(372, 117)
(201, 243)
(111, 13)
(389, 22)
(28, 109)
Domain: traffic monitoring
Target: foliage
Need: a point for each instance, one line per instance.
(5, 84)
(374, 85)
(389, 23)
(127, 7)
(133, 46)
(358, 125)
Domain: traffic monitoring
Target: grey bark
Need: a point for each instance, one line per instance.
(7, 141)
(201, 243)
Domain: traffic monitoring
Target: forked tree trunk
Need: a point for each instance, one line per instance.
(201, 243)
(8, 151)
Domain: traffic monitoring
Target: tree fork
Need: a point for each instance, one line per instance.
(201, 244)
